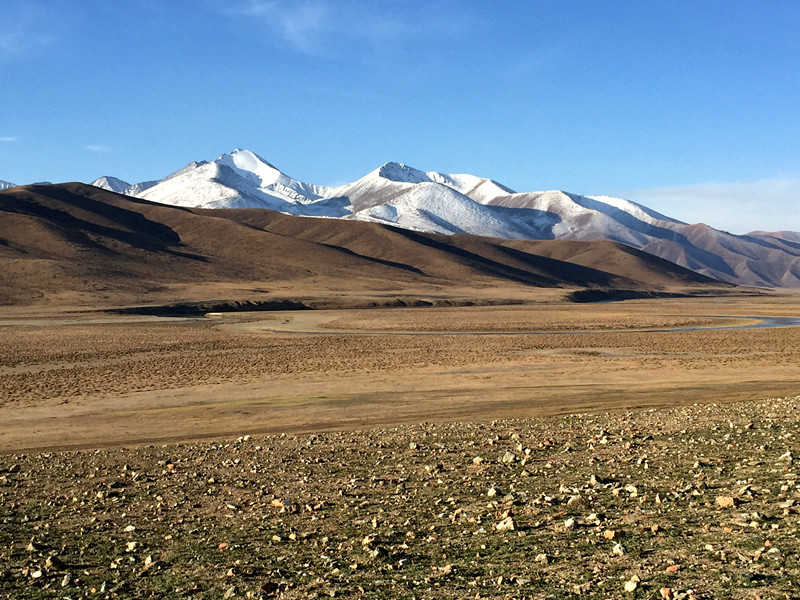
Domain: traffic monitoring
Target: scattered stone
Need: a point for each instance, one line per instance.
(609, 534)
(506, 524)
(576, 501)
(55, 563)
(509, 458)
(726, 501)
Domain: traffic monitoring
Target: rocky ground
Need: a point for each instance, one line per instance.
(697, 502)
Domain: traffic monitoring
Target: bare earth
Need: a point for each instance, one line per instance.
(83, 379)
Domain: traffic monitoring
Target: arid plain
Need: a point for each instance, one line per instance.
(86, 379)
(437, 417)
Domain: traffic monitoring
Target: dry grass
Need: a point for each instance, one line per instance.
(89, 383)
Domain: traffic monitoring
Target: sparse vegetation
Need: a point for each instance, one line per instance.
(696, 502)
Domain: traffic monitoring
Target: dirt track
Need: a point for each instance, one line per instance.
(123, 381)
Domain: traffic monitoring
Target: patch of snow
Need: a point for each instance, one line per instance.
(112, 184)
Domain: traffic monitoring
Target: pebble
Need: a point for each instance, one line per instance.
(509, 457)
(726, 501)
(55, 563)
(506, 524)
(576, 501)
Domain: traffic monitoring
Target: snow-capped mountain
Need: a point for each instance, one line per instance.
(112, 184)
(4, 185)
(400, 195)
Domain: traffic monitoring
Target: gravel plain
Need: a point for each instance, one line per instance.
(691, 502)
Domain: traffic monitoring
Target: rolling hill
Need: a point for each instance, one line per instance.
(441, 203)
(79, 244)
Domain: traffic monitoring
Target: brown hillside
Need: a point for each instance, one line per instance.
(73, 243)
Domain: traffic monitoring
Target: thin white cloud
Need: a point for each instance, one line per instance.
(100, 148)
(319, 26)
(9, 138)
(768, 205)
(26, 29)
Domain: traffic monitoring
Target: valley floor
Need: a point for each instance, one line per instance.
(85, 380)
(533, 451)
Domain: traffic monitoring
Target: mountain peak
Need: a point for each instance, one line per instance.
(4, 185)
(112, 184)
(251, 166)
(400, 173)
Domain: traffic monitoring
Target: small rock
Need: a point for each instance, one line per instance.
(576, 501)
(230, 592)
(67, 580)
(541, 558)
(610, 534)
(618, 550)
(672, 569)
(726, 501)
(509, 458)
(506, 524)
(582, 588)
(631, 585)
(413, 446)
(55, 563)
(569, 524)
(15, 468)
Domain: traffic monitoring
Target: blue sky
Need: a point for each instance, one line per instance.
(688, 107)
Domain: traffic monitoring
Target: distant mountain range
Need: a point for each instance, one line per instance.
(75, 244)
(435, 202)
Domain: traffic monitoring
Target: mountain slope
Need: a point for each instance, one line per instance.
(434, 202)
(74, 243)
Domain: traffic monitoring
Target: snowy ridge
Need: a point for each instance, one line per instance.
(429, 201)
(112, 184)
(4, 185)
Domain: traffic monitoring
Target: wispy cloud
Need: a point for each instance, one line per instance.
(26, 29)
(771, 205)
(100, 148)
(318, 26)
(9, 138)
